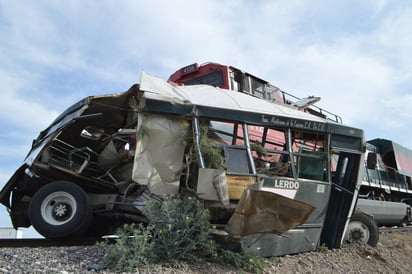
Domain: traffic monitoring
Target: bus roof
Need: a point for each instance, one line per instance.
(215, 102)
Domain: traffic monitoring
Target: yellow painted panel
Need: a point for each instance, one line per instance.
(237, 184)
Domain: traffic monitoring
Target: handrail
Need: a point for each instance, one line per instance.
(319, 110)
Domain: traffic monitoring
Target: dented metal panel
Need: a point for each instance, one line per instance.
(260, 211)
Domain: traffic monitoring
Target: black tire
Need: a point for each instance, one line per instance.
(60, 210)
(404, 222)
(362, 229)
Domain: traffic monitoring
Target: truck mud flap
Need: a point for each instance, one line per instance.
(7, 189)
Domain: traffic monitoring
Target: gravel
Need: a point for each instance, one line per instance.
(392, 255)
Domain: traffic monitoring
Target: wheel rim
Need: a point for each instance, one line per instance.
(357, 232)
(58, 208)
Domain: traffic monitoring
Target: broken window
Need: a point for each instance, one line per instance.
(270, 151)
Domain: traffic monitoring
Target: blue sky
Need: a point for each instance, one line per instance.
(355, 55)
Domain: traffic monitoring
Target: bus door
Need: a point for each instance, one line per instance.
(344, 181)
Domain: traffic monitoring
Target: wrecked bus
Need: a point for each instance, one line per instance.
(276, 180)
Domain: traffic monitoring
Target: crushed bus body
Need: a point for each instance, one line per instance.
(276, 180)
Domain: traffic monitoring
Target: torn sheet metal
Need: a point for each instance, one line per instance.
(266, 212)
(212, 185)
(159, 153)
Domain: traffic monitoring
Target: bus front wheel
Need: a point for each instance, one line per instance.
(60, 209)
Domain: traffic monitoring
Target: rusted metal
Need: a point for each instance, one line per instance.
(261, 211)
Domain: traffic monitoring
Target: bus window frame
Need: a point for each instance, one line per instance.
(239, 139)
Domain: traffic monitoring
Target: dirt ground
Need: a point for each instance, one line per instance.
(392, 255)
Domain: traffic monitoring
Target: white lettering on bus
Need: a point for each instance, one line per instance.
(293, 123)
(286, 184)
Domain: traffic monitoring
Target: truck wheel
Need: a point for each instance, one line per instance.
(362, 229)
(59, 210)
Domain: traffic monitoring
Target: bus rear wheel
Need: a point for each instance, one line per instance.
(362, 229)
(60, 209)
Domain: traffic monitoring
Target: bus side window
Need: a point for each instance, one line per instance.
(310, 156)
(269, 150)
(237, 160)
(312, 166)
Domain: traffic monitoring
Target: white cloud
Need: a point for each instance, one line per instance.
(291, 44)
(21, 111)
(355, 55)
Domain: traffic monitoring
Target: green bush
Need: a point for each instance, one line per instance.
(322, 248)
(178, 230)
(133, 248)
(244, 261)
(181, 229)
